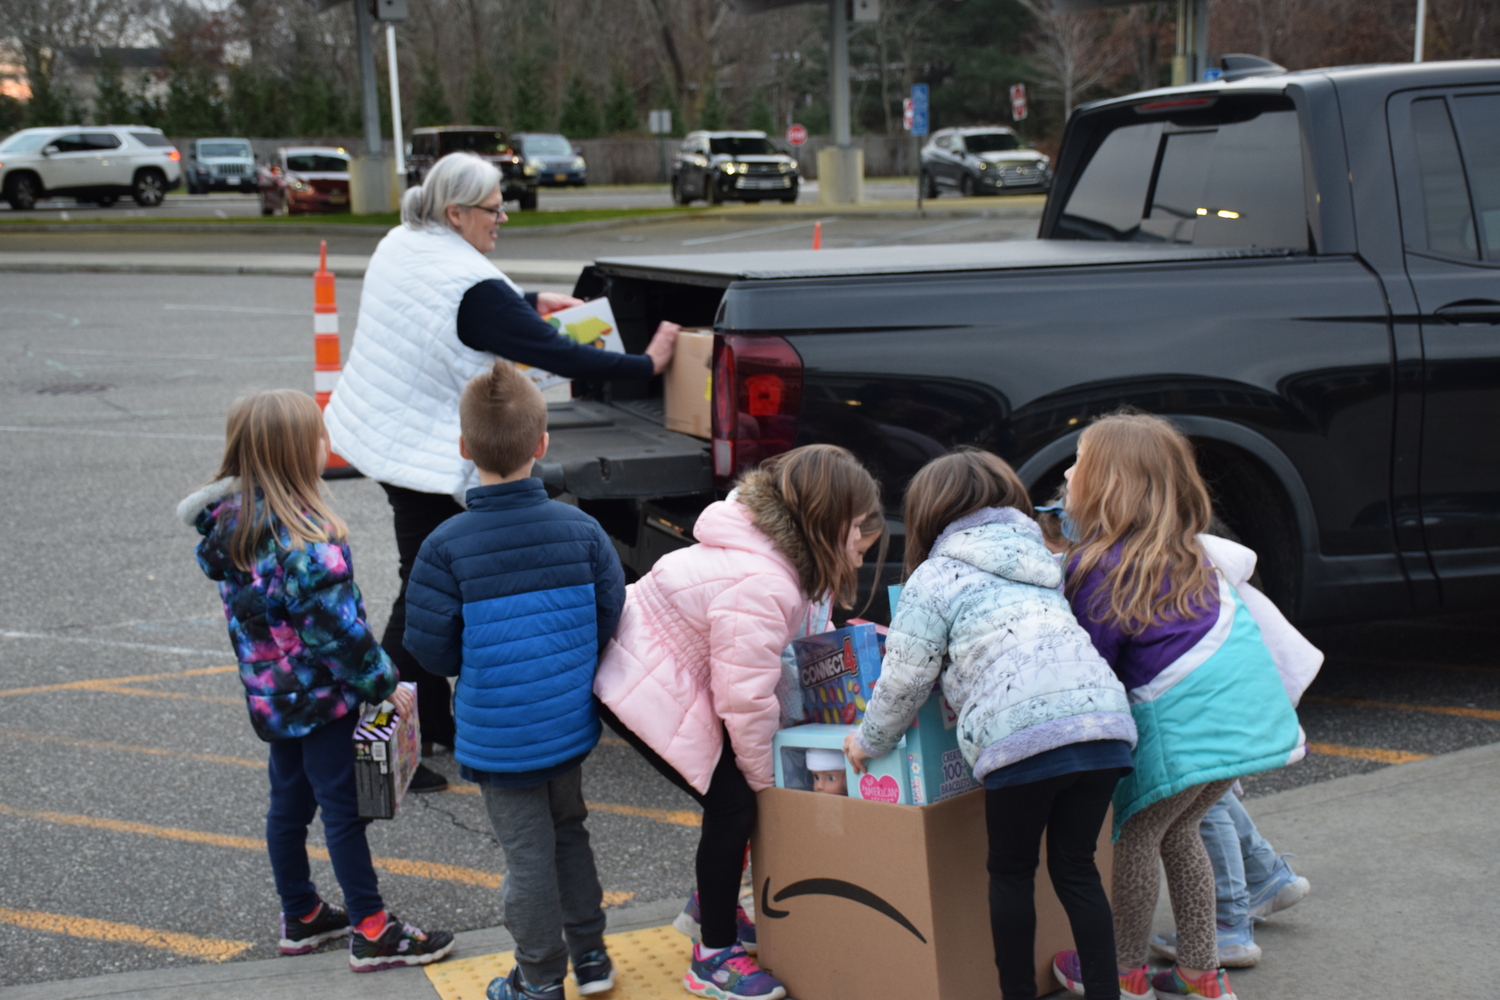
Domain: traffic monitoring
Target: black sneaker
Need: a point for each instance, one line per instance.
(399, 944)
(514, 987)
(425, 779)
(595, 972)
(298, 937)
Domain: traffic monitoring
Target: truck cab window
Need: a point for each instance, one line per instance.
(1445, 198)
(1222, 184)
(1477, 116)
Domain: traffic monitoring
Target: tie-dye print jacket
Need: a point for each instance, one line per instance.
(296, 620)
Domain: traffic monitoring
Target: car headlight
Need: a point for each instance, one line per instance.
(731, 168)
(298, 185)
(529, 170)
(983, 165)
(784, 167)
(578, 163)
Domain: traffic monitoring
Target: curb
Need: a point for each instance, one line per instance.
(280, 270)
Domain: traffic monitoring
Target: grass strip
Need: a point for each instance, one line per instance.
(385, 219)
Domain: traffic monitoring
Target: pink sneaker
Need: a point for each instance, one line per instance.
(1170, 985)
(1134, 985)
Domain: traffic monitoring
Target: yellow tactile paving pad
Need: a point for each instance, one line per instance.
(648, 966)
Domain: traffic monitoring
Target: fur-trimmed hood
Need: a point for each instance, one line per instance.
(205, 498)
(758, 494)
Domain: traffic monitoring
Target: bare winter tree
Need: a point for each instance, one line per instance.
(36, 29)
(1072, 51)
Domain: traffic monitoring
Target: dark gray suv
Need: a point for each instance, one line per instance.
(732, 166)
(982, 159)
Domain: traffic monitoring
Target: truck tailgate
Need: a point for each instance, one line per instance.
(603, 451)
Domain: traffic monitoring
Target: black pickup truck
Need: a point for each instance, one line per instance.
(1302, 270)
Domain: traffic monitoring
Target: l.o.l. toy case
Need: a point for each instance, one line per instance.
(387, 747)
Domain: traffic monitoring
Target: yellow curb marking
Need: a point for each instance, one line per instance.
(1366, 753)
(648, 966)
(208, 949)
(1489, 714)
(117, 685)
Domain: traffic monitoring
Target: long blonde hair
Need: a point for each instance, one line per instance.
(271, 444)
(1136, 486)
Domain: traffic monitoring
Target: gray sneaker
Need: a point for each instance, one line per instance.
(1283, 889)
(1237, 948)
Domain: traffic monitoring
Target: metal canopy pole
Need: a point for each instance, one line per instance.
(390, 58)
(369, 94)
(1421, 30)
(838, 69)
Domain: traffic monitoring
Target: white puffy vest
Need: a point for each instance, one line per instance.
(394, 412)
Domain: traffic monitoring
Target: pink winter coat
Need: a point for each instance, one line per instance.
(699, 643)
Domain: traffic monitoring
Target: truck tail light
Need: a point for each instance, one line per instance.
(757, 397)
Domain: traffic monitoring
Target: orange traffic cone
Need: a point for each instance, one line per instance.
(326, 365)
(818, 235)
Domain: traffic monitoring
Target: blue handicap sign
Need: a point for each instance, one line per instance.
(1212, 73)
(919, 109)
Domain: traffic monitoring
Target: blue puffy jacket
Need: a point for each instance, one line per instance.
(515, 597)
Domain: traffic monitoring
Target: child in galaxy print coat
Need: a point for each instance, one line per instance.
(308, 661)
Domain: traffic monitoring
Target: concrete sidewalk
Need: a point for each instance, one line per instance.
(1403, 861)
(523, 271)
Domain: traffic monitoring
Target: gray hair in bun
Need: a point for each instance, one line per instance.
(456, 179)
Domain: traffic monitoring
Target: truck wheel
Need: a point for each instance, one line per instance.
(966, 186)
(678, 198)
(528, 201)
(929, 185)
(149, 188)
(22, 192)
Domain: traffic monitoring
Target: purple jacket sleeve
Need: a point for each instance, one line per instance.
(1108, 639)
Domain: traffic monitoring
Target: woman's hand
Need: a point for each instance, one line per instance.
(663, 343)
(404, 701)
(550, 302)
(854, 753)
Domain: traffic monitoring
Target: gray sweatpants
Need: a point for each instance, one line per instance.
(551, 889)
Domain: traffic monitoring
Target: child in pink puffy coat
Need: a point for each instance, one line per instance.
(690, 678)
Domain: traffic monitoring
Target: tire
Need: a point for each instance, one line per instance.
(22, 192)
(528, 201)
(711, 192)
(966, 186)
(789, 199)
(929, 185)
(678, 198)
(149, 188)
(104, 201)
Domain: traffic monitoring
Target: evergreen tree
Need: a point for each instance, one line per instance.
(49, 102)
(12, 114)
(480, 107)
(580, 112)
(711, 115)
(256, 103)
(761, 115)
(112, 103)
(431, 106)
(621, 113)
(530, 112)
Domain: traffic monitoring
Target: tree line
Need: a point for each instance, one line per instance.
(593, 68)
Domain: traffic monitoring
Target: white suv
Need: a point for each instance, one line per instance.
(97, 164)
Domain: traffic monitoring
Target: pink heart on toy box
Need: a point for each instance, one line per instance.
(884, 789)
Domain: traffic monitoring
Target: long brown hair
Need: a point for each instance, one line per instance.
(953, 485)
(1136, 486)
(825, 490)
(271, 444)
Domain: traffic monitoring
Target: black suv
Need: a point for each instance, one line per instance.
(428, 145)
(732, 166)
(982, 159)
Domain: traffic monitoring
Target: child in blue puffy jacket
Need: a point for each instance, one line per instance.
(516, 597)
(308, 661)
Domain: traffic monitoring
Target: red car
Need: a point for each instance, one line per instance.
(305, 179)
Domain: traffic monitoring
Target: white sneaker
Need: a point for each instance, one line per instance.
(1237, 949)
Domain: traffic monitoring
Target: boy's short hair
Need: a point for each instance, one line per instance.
(502, 417)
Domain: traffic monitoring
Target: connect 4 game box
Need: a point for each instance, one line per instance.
(837, 670)
(386, 750)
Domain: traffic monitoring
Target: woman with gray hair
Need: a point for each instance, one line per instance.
(434, 313)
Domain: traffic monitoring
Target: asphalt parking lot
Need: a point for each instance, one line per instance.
(131, 809)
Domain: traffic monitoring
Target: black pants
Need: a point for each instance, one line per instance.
(417, 515)
(1071, 809)
(728, 819)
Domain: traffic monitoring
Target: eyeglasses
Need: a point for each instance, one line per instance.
(497, 211)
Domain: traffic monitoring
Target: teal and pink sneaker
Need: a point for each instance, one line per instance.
(1134, 985)
(1170, 985)
(730, 974)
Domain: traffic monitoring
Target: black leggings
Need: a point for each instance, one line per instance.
(1071, 808)
(418, 515)
(728, 819)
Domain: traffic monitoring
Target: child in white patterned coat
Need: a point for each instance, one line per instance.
(1042, 718)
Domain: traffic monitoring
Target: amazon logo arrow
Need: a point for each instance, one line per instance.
(832, 887)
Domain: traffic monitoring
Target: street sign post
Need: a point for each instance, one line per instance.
(1018, 102)
(659, 121)
(914, 117)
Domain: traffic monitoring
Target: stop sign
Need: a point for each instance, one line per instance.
(796, 135)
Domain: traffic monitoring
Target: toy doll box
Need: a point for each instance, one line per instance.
(885, 778)
(386, 750)
(854, 899)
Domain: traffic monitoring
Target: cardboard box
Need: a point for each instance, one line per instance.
(837, 670)
(689, 384)
(856, 899)
(886, 779)
(387, 748)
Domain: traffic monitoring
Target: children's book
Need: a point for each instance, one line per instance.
(591, 324)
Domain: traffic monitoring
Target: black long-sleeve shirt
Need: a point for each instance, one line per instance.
(493, 318)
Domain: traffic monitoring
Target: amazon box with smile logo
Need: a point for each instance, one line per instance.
(864, 899)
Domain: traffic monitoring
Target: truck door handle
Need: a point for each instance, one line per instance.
(1470, 312)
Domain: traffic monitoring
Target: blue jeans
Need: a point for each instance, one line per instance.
(1241, 858)
(316, 772)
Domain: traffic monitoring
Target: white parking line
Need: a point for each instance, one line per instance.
(266, 310)
(149, 647)
(119, 434)
(752, 232)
